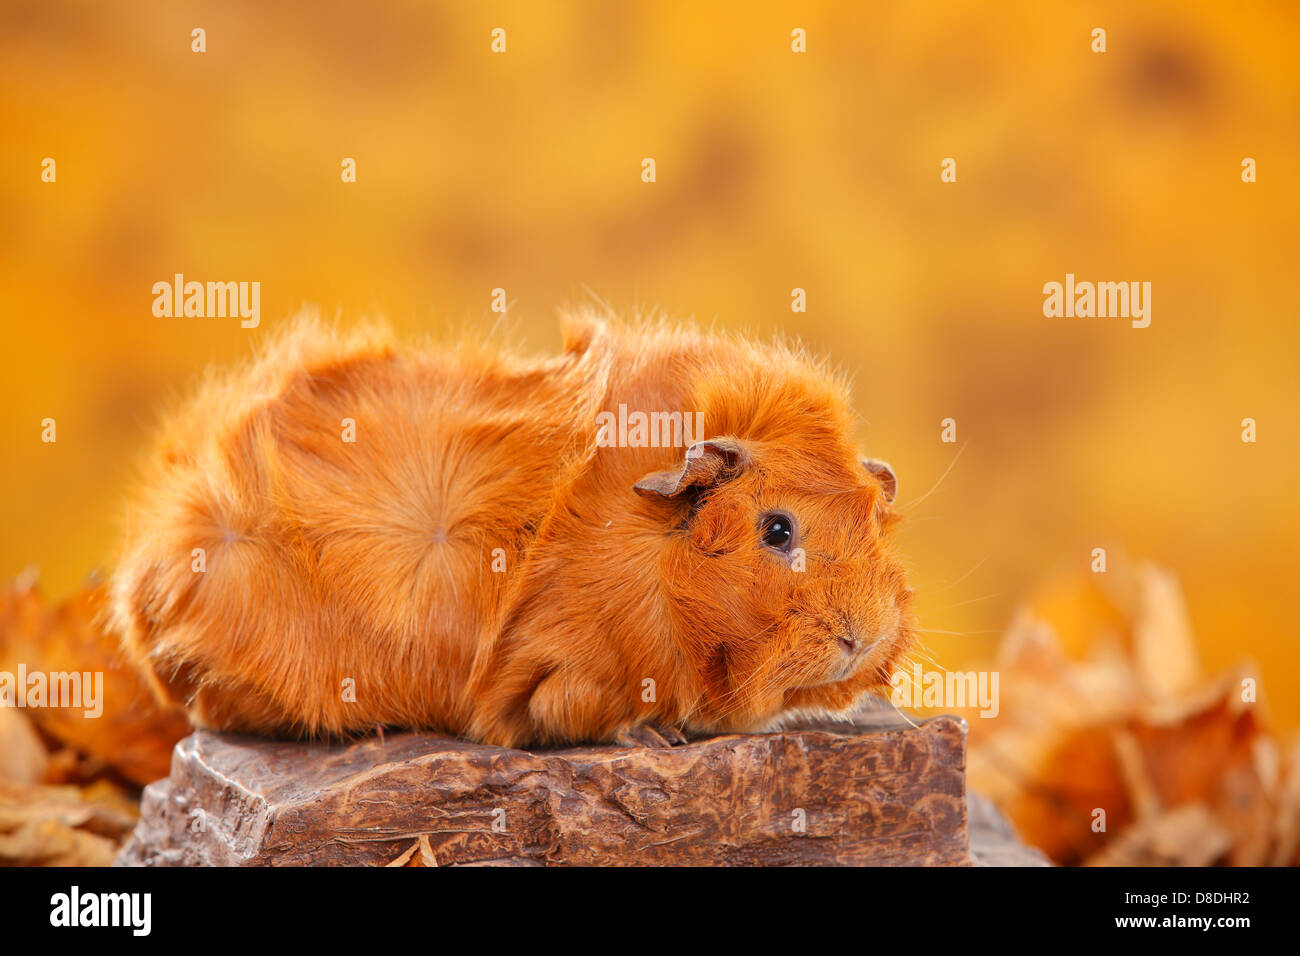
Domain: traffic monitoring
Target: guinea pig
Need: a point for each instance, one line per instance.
(660, 532)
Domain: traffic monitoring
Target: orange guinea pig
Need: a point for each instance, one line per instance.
(658, 532)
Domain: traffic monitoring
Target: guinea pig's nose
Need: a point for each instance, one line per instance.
(849, 642)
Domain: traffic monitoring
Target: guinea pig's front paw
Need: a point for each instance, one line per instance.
(649, 735)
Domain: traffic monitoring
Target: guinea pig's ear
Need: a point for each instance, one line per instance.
(708, 464)
(884, 474)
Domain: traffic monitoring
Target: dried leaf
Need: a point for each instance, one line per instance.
(409, 859)
(405, 858)
(1187, 836)
(1128, 727)
(63, 826)
(53, 843)
(426, 851)
(22, 754)
(1286, 849)
(133, 734)
(1164, 650)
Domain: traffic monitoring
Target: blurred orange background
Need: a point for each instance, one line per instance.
(775, 170)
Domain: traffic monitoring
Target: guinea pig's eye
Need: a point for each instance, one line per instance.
(776, 530)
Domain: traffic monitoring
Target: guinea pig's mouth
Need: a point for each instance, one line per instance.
(854, 655)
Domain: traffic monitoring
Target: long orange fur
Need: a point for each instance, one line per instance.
(474, 563)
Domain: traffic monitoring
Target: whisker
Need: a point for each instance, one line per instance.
(781, 677)
(757, 673)
(951, 464)
(975, 600)
(952, 584)
(914, 725)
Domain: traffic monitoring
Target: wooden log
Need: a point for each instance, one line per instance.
(876, 790)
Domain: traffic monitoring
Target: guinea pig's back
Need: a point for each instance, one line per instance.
(322, 541)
